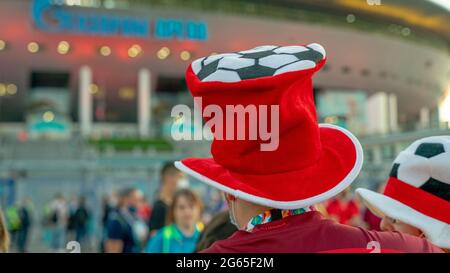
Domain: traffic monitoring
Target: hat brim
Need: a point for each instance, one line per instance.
(338, 166)
(436, 231)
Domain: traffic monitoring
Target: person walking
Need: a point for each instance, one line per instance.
(81, 219)
(59, 217)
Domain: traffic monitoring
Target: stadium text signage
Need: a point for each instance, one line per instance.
(55, 18)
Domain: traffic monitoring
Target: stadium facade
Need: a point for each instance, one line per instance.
(76, 66)
(88, 71)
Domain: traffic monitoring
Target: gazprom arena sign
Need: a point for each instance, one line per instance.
(56, 18)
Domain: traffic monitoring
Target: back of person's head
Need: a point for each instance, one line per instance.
(125, 194)
(59, 196)
(4, 236)
(169, 174)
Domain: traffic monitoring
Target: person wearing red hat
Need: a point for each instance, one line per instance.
(416, 199)
(272, 192)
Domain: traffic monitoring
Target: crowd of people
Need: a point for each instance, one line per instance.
(174, 223)
(66, 221)
(61, 221)
(19, 218)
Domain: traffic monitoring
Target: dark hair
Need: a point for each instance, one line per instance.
(188, 194)
(125, 193)
(168, 169)
(219, 228)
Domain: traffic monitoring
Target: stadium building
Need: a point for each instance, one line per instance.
(84, 64)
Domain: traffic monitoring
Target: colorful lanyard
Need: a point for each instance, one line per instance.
(273, 215)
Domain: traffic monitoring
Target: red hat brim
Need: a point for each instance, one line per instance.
(337, 167)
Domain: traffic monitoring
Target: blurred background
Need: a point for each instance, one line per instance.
(87, 86)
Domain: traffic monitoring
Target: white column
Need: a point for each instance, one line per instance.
(424, 121)
(377, 155)
(393, 113)
(144, 102)
(377, 113)
(85, 101)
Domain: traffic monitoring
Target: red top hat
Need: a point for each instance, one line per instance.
(311, 163)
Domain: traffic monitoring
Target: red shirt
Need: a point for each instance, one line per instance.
(343, 211)
(310, 232)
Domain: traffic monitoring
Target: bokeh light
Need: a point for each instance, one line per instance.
(163, 53)
(185, 55)
(105, 51)
(134, 51)
(2, 45)
(2, 89)
(63, 47)
(33, 47)
(11, 89)
(48, 116)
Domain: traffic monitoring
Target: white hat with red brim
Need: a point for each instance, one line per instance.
(418, 189)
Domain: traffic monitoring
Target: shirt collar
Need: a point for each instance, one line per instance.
(273, 215)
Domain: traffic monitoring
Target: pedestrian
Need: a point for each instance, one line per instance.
(14, 224)
(59, 217)
(109, 207)
(81, 221)
(171, 180)
(183, 231)
(25, 215)
(125, 232)
(72, 206)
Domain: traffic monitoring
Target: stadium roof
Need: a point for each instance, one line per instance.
(426, 19)
(420, 14)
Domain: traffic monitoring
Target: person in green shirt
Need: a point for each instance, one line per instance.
(183, 229)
